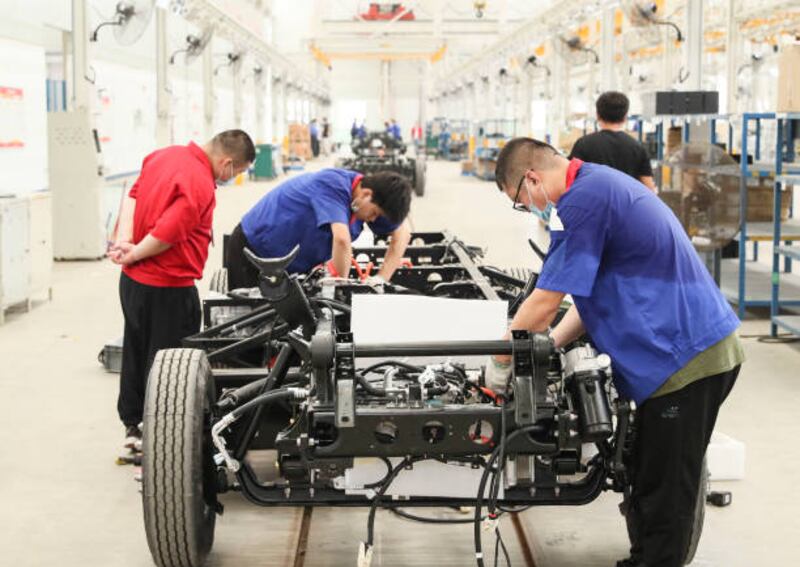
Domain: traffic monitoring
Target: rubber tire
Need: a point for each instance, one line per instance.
(178, 522)
(219, 281)
(699, 515)
(419, 178)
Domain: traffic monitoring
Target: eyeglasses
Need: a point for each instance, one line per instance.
(516, 205)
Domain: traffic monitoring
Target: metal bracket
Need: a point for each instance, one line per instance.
(345, 382)
(525, 409)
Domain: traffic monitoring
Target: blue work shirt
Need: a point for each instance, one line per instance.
(639, 286)
(300, 211)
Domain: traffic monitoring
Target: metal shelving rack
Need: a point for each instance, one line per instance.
(757, 278)
(784, 145)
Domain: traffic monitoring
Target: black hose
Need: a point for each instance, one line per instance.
(262, 400)
(427, 520)
(482, 486)
(384, 487)
(338, 305)
(388, 464)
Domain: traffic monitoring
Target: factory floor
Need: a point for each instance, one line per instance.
(65, 502)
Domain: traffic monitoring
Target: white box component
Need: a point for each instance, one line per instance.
(40, 226)
(414, 318)
(15, 272)
(75, 182)
(725, 456)
(426, 478)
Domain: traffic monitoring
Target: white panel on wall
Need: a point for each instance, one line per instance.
(223, 109)
(23, 118)
(124, 114)
(187, 111)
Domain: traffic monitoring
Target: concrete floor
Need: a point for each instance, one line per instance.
(66, 503)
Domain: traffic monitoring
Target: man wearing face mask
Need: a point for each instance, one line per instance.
(162, 245)
(323, 212)
(645, 298)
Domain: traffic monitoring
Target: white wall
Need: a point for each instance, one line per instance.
(356, 93)
(23, 120)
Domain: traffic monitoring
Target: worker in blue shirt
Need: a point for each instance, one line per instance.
(394, 130)
(323, 213)
(444, 141)
(645, 298)
(354, 129)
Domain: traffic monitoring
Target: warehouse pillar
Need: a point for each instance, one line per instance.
(558, 104)
(163, 127)
(694, 44)
(238, 96)
(259, 95)
(423, 93)
(527, 99)
(385, 92)
(80, 56)
(208, 90)
(607, 55)
(731, 57)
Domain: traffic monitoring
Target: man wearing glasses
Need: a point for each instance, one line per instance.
(643, 295)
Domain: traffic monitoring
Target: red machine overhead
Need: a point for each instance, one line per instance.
(386, 11)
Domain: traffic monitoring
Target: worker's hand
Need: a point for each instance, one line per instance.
(497, 374)
(122, 253)
(376, 282)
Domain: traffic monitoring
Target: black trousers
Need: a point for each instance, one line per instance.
(671, 437)
(241, 273)
(155, 318)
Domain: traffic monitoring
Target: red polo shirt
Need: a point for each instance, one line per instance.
(175, 203)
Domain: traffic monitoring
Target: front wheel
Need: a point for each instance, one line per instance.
(419, 177)
(178, 473)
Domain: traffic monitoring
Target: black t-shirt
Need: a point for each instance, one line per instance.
(614, 149)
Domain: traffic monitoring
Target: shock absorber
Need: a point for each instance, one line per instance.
(586, 372)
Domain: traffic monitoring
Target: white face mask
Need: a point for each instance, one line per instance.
(221, 183)
(548, 208)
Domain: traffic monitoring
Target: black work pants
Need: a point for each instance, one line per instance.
(672, 434)
(155, 318)
(241, 273)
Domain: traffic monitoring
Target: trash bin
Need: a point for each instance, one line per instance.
(264, 168)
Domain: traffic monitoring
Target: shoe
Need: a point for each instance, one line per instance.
(133, 438)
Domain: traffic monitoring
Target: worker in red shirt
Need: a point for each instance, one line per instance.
(162, 245)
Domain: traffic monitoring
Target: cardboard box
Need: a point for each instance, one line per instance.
(467, 167)
(760, 202)
(789, 79)
(567, 139)
(674, 140)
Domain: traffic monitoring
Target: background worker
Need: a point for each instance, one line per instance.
(646, 299)
(326, 134)
(162, 246)
(322, 212)
(313, 130)
(394, 130)
(611, 145)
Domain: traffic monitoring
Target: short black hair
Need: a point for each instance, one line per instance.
(519, 155)
(391, 192)
(612, 107)
(237, 145)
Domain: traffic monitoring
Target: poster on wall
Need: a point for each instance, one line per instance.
(12, 118)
